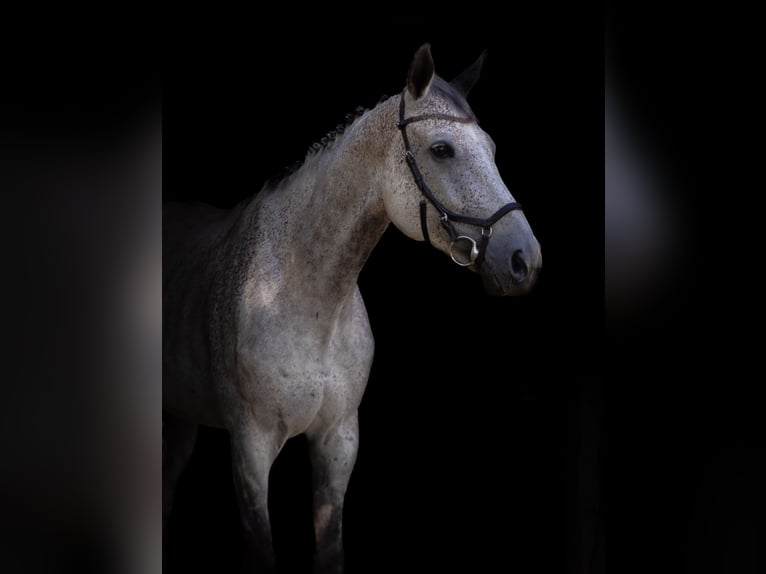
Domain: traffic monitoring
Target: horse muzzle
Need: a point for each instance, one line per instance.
(511, 264)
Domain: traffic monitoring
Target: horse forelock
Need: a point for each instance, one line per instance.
(441, 89)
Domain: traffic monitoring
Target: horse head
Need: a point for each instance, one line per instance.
(446, 188)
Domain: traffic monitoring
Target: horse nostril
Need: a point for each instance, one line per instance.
(519, 267)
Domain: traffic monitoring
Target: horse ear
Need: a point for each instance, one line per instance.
(467, 78)
(421, 72)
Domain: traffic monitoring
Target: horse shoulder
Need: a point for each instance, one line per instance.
(361, 331)
(354, 346)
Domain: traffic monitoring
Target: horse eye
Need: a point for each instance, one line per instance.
(442, 150)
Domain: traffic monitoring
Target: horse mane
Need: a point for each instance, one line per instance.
(320, 145)
(439, 87)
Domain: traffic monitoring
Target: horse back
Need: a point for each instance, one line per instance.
(194, 250)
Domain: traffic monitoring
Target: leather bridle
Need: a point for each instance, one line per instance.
(447, 216)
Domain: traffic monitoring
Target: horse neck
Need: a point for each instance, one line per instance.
(324, 220)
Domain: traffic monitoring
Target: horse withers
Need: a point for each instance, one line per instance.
(265, 331)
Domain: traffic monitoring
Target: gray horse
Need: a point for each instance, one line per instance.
(265, 331)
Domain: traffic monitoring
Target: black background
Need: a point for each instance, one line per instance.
(471, 425)
(684, 413)
(470, 444)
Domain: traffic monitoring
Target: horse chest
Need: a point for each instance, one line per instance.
(304, 376)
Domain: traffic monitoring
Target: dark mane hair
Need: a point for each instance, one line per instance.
(318, 146)
(439, 87)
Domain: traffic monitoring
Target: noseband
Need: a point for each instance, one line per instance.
(447, 216)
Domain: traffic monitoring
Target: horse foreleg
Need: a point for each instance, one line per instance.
(333, 454)
(253, 452)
